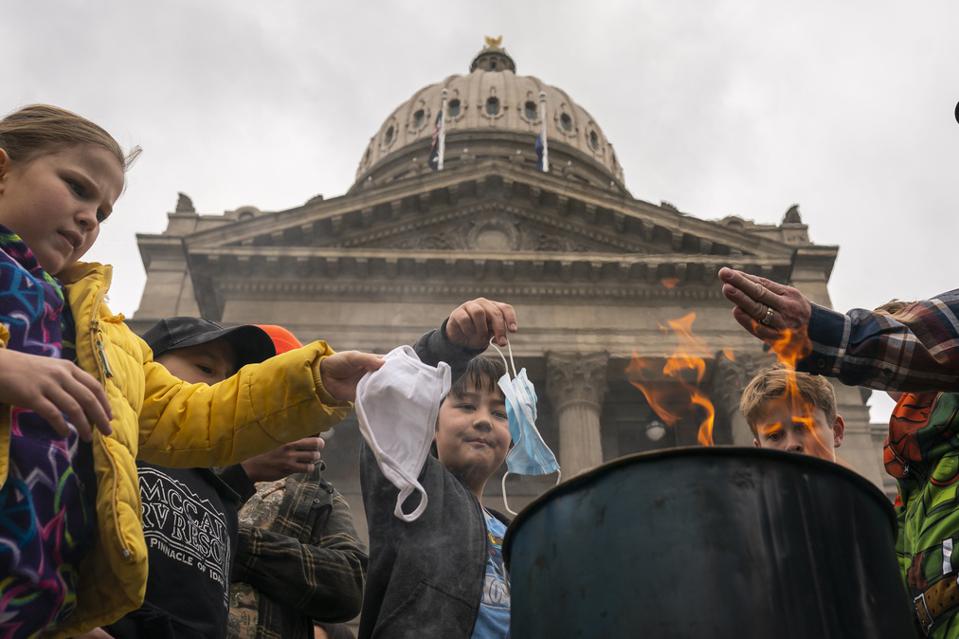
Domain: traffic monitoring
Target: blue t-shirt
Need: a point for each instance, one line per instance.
(492, 620)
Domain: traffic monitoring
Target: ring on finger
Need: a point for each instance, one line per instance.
(767, 317)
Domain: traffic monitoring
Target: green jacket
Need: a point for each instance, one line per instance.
(922, 452)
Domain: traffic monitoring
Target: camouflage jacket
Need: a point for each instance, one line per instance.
(298, 560)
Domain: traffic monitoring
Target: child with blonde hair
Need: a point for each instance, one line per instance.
(81, 397)
(793, 411)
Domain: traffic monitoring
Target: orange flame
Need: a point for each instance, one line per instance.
(790, 348)
(673, 399)
(669, 282)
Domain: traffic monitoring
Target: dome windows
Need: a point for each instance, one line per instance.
(419, 119)
(483, 106)
(530, 110)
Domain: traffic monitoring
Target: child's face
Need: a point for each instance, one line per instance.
(57, 201)
(811, 434)
(472, 434)
(208, 363)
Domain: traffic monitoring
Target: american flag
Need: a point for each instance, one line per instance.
(434, 160)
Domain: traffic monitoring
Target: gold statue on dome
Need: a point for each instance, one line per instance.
(494, 43)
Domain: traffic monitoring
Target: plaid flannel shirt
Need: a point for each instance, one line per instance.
(309, 565)
(916, 351)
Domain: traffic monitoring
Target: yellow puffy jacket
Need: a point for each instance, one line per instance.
(163, 420)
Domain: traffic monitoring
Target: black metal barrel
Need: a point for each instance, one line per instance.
(708, 543)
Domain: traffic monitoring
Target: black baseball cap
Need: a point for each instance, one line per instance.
(251, 344)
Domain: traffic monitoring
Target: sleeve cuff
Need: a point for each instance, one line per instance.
(828, 334)
(435, 347)
(321, 392)
(237, 479)
(244, 547)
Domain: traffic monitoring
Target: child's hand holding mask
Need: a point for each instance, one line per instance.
(474, 323)
(341, 372)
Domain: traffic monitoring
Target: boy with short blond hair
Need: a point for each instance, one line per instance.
(802, 419)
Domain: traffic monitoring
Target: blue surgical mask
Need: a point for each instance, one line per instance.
(530, 455)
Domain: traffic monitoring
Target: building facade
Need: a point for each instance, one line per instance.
(594, 273)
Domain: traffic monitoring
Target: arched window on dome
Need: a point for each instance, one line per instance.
(492, 105)
(388, 136)
(566, 122)
(419, 119)
(529, 109)
(453, 107)
(594, 140)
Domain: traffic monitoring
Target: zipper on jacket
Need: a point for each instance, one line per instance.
(103, 366)
(103, 358)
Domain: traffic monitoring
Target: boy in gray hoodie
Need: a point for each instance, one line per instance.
(442, 575)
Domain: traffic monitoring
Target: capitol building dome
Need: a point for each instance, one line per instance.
(491, 113)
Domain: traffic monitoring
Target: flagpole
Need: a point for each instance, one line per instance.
(442, 141)
(542, 109)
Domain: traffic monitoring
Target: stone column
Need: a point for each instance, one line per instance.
(576, 385)
(729, 381)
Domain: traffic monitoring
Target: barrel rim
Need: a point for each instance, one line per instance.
(701, 451)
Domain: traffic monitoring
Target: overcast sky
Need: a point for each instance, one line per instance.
(720, 107)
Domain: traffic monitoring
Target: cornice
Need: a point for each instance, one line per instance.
(154, 247)
(293, 256)
(315, 271)
(819, 258)
(298, 289)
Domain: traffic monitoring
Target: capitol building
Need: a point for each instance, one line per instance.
(594, 272)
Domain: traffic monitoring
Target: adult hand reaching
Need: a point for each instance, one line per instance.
(766, 308)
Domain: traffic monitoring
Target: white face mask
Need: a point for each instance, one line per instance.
(397, 407)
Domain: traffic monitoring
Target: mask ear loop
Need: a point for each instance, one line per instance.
(512, 364)
(559, 478)
(506, 501)
(510, 348)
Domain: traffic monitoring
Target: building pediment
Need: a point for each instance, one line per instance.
(493, 206)
(494, 226)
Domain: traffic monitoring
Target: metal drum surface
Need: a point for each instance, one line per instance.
(705, 543)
